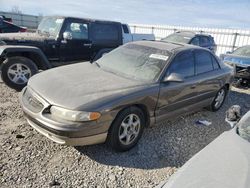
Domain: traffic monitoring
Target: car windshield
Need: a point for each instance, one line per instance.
(177, 38)
(50, 26)
(135, 61)
(242, 51)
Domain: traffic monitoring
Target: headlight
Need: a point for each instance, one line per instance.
(72, 115)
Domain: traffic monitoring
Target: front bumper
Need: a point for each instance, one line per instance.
(68, 133)
(89, 140)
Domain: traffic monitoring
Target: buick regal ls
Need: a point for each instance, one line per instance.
(134, 86)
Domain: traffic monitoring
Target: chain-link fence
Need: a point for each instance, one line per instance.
(226, 39)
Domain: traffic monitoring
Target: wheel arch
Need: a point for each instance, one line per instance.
(34, 54)
(142, 107)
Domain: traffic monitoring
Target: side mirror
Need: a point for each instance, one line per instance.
(67, 36)
(228, 52)
(173, 77)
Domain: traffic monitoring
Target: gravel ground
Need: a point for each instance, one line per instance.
(28, 159)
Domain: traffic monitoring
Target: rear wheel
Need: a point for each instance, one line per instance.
(16, 72)
(126, 129)
(218, 100)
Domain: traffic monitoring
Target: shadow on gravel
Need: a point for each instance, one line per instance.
(170, 144)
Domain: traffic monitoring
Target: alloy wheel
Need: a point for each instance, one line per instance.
(129, 129)
(19, 73)
(219, 98)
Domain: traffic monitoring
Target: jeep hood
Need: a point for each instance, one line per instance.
(21, 37)
(81, 85)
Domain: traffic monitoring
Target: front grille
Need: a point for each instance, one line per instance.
(31, 102)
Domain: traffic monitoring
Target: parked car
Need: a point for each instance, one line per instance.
(59, 41)
(9, 27)
(240, 59)
(224, 163)
(187, 37)
(130, 88)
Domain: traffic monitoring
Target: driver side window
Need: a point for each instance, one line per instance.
(78, 30)
(182, 64)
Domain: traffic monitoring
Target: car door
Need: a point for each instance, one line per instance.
(208, 74)
(77, 46)
(178, 97)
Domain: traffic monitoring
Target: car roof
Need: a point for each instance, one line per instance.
(88, 19)
(191, 34)
(168, 46)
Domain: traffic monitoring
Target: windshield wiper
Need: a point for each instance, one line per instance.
(97, 64)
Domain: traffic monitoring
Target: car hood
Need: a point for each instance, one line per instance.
(224, 163)
(21, 37)
(79, 85)
(237, 60)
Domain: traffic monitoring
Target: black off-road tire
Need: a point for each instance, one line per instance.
(113, 135)
(9, 62)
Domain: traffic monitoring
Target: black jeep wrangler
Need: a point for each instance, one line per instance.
(57, 41)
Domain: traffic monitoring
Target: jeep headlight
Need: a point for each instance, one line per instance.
(72, 115)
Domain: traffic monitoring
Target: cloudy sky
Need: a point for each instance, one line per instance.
(201, 13)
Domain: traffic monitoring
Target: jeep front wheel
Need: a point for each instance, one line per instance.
(16, 72)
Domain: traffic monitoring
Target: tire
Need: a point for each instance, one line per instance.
(16, 72)
(116, 135)
(218, 100)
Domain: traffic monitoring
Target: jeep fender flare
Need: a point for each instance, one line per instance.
(26, 51)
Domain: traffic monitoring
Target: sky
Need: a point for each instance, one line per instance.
(194, 13)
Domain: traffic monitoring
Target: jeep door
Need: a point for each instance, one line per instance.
(77, 44)
(178, 97)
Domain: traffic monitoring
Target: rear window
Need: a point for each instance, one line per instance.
(105, 32)
(204, 41)
(125, 28)
(178, 38)
(203, 62)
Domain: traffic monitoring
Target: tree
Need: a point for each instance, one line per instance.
(16, 9)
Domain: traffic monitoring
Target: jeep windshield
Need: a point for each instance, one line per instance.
(50, 26)
(135, 61)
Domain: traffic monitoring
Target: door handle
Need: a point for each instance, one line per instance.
(87, 44)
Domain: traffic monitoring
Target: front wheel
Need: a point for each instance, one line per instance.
(218, 100)
(126, 129)
(16, 72)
